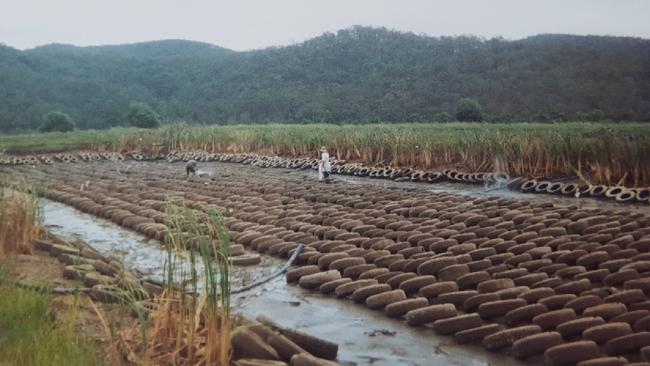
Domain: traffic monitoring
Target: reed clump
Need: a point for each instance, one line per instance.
(20, 220)
(190, 322)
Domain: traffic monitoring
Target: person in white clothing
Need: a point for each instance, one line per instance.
(324, 165)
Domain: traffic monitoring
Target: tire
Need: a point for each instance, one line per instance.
(344, 263)
(530, 279)
(524, 314)
(574, 328)
(455, 297)
(495, 285)
(571, 353)
(373, 273)
(399, 308)
(293, 275)
(471, 280)
(604, 332)
(453, 272)
(433, 266)
(471, 303)
(505, 338)
(434, 290)
(282, 345)
(596, 275)
(476, 334)
(605, 361)
(606, 311)
(619, 278)
(361, 294)
(413, 285)
(631, 317)
(534, 295)
(579, 304)
(247, 344)
(574, 287)
(395, 281)
(329, 287)
(347, 289)
(642, 325)
(499, 308)
(457, 323)
(557, 301)
(327, 259)
(627, 343)
(314, 280)
(381, 300)
(535, 344)
(356, 271)
(627, 297)
(430, 314)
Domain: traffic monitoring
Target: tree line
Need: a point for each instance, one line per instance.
(356, 75)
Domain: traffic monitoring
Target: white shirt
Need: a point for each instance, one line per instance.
(325, 157)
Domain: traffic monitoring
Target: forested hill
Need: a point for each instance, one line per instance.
(356, 75)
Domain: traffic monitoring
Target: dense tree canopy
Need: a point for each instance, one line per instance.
(141, 115)
(56, 122)
(354, 75)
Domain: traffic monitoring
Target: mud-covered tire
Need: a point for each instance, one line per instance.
(453, 272)
(472, 279)
(550, 320)
(247, 344)
(329, 287)
(379, 301)
(571, 353)
(579, 304)
(395, 281)
(534, 295)
(430, 314)
(606, 361)
(471, 303)
(347, 289)
(315, 280)
(574, 287)
(574, 328)
(372, 273)
(399, 308)
(361, 294)
(631, 317)
(557, 301)
(499, 308)
(434, 290)
(457, 323)
(605, 332)
(456, 297)
(495, 285)
(356, 271)
(476, 334)
(294, 274)
(606, 311)
(524, 314)
(535, 344)
(413, 285)
(507, 337)
(627, 343)
(627, 297)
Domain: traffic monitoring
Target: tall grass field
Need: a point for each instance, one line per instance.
(604, 152)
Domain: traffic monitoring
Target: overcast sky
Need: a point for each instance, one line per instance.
(249, 24)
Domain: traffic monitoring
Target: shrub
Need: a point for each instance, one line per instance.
(143, 116)
(468, 110)
(56, 121)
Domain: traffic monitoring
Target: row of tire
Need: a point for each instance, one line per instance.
(517, 259)
(599, 191)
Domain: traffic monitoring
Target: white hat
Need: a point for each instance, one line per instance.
(323, 148)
